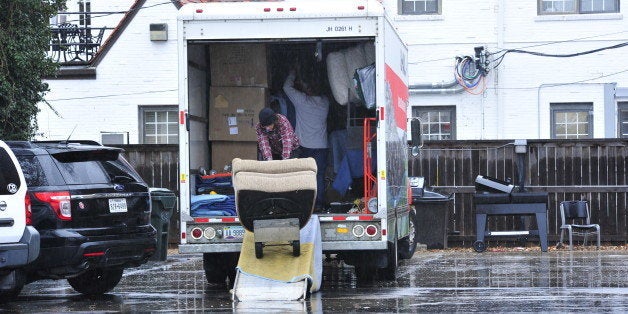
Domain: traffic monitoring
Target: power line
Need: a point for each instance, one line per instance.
(117, 12)
(113, 95)
(531, 46)
(560, 84)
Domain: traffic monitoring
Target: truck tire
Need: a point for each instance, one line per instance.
(96, 281)
(365, 272)
(407, 245)
(220, 266)
(390, 271)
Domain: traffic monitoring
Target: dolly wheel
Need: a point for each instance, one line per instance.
(296, 248)
(479, 246)
(259, 249)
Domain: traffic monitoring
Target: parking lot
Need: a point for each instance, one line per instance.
(455, 280)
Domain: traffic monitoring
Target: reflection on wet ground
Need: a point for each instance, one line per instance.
(430, 281)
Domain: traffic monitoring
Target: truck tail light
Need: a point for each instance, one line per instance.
(371, 230)
(59, 201)
(197, 233)
(28, 210)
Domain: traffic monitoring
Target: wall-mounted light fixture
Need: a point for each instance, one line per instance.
(159, 32)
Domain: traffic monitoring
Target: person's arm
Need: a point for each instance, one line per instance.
(264, 145)
(287, 134)
(296, 96)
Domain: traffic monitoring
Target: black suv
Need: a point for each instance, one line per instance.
(91, 209)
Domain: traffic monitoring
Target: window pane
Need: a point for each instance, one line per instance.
(594, 6)
(558, 6)
(560, 129)
(623, 120)
(436, 123)
(419, 6)
(9, 174)
(161, 126)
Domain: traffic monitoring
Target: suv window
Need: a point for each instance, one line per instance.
(42, 170)
(83, 172)
(39, 170)
(9, 177)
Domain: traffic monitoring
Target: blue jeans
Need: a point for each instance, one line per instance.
(338, 143)
(320, 156)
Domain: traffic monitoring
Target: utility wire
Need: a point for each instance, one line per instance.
(568, 55)
(560, 84)
(501, 50)
(113, 95)
(117, 12)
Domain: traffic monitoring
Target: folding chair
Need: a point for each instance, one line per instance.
(576, 219)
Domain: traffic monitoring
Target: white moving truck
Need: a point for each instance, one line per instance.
(232, 56)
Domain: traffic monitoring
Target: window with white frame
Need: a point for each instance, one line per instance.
(159, 124)
(418, 7)
(577, 6)
(572, 120)
(114, 138)
(623, 119)
(437, 123)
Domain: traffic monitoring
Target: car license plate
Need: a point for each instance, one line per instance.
(117, 205)
(233, 232)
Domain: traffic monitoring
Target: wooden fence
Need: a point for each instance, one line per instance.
(593, 170)
(158, 165)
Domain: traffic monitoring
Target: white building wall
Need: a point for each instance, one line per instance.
(135, 71)
(514, 104)
(517, 99)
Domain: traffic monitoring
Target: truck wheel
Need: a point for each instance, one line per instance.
(259, 249)
(96, 281)
(365, 272)
(296, 248)
(390, 271)
(407, 245)
(220, 266)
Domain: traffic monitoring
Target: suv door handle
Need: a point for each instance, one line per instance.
(6, 222)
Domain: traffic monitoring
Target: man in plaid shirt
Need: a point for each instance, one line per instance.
(275, 136)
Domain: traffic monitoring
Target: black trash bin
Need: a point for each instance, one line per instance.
(432, 215)
(163, 202)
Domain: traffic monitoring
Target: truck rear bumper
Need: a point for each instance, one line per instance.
(327, 246)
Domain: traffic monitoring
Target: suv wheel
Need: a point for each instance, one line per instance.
(20, 280)
(96, 281)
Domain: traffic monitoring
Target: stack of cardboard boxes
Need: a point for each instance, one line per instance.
(239, 90)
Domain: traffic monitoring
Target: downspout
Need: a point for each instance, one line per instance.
(435, 88)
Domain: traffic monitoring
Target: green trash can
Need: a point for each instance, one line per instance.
(163, 202)
(432, 215)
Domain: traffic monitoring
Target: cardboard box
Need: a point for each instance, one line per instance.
(224, 152)
(238, 65)
(233, 112)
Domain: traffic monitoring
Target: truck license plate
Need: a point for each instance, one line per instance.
(233, 232)
(117, 205)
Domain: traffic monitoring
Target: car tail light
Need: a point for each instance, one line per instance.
(28, 210)
(59, 201)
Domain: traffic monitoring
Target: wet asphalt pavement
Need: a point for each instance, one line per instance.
(436, 281)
